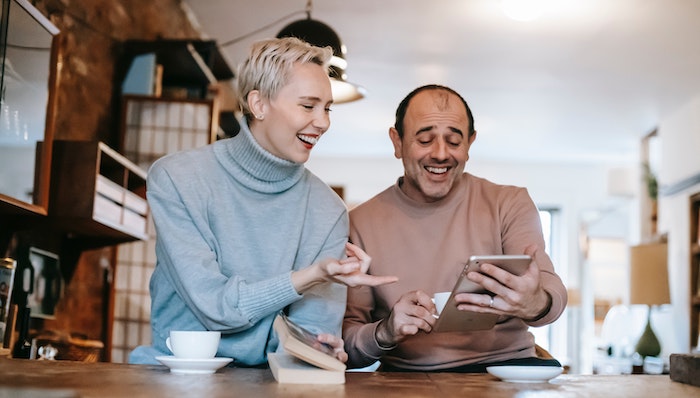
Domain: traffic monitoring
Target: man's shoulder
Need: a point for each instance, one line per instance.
(483, 184)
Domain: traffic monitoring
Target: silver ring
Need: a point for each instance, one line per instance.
(491, 303)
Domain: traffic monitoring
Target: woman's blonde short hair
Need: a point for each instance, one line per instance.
(269, 63)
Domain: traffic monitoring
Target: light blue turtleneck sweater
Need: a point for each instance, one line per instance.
(232, 222)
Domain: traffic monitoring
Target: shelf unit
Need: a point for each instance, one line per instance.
(694, 271)
(153, 127)
(97, 194)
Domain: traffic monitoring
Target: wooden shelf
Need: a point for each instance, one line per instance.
(694, 264)
(97, 195)
(194, 64)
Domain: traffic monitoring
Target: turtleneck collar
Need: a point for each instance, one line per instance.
(255, 167)
(448, 201)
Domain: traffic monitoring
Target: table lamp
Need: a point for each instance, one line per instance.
(649, 286)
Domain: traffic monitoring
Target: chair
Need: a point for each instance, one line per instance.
(542, 353)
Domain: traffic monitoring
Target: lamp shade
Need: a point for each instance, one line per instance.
(649, 274)
(321, 35)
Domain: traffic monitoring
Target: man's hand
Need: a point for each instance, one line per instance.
(520, 296)
(411, 314)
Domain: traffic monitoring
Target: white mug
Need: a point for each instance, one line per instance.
(193, 344)
(440, 299)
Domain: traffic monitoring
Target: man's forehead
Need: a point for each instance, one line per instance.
(438, 109)
(436, 100)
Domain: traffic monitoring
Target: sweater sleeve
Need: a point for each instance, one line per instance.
(521, 228)
(358, 325)
(190, 264)
(359, 329)
(321, 310)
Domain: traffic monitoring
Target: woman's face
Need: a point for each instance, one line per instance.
(294, 120)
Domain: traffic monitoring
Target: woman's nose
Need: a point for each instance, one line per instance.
(322, 122)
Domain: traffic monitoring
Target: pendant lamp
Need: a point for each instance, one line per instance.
(319, 34)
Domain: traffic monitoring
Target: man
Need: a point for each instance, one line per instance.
(423, 229)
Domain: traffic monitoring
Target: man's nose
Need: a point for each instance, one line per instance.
(439, 149)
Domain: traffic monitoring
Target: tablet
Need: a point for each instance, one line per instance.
(451, 319)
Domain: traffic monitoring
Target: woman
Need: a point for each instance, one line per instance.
(244, 230)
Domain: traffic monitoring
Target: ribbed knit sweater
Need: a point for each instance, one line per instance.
(232, 222)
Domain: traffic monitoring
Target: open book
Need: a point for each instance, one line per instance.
(305, 361)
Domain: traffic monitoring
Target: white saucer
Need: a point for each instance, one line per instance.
(193, 366)
(525, 374)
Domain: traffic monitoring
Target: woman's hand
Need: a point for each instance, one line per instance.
(336, 343)
(351, 271)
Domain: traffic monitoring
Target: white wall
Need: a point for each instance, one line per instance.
(680, 143)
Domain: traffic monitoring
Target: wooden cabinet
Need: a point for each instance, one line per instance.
(97, 194)
(694, 271)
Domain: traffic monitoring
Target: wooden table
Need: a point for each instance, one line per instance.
(50, 379)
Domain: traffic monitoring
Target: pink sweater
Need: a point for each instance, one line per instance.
(426, 246)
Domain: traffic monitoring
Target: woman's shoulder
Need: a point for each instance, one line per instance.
(323, 189)
(184, 160)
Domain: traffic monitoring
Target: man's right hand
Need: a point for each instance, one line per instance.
(411, 314)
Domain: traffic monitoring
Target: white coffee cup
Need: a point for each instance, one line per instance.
(193, 344)
(440, 299)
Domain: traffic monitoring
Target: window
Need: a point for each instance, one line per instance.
(548, 217)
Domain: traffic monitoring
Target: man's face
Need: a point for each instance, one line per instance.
(435, 145)
(298, 115)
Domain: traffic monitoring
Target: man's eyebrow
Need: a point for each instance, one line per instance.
(456, 130)
(424, 129)
(429, 128)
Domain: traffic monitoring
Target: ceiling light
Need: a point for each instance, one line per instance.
(321, 35)
(523, 10)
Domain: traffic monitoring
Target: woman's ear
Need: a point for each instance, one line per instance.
(256, 104)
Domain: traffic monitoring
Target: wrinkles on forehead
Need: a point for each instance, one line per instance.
(431, 109)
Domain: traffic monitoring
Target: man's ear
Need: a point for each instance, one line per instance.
(472, 138)
(396, 140)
